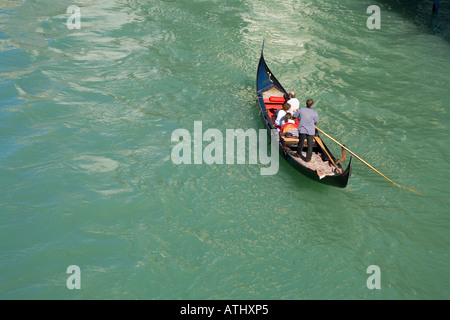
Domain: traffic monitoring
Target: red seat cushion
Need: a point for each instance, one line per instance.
(274, 106)
(277, 99)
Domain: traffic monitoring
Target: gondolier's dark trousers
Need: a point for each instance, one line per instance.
(301, 143)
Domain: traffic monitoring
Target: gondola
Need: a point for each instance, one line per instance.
(271, 95)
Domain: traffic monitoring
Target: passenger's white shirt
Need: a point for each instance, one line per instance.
(289, 121)
(280, 117)
(295, 105)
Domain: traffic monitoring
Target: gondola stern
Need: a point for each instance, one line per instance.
(349, 166)
(348, 172)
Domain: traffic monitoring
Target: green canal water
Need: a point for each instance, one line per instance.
(87, 177)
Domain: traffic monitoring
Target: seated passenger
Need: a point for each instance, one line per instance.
(293, 101)
(288, 119)
(289, 127)
(280, 115)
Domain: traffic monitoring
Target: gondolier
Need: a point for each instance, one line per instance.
(307, 128)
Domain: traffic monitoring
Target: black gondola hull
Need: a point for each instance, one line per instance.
(265, 81)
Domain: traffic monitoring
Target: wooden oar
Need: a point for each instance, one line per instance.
(359, 158)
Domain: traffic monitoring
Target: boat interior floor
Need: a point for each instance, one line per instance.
(323, 168)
